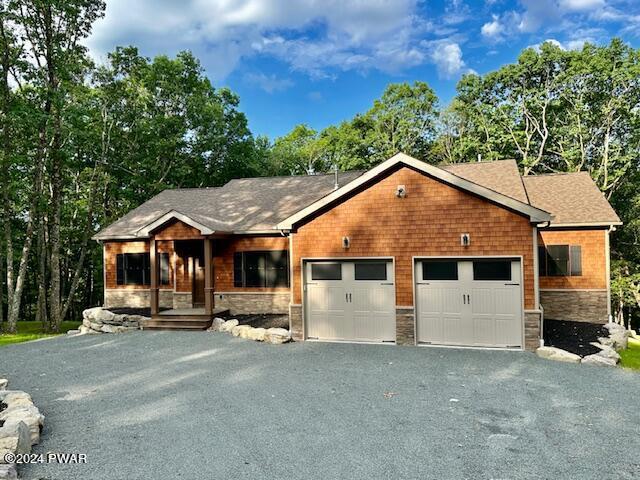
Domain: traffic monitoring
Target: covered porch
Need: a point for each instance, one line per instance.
(181, 264)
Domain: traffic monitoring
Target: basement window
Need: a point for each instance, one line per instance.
(560, 260)
(266, 269)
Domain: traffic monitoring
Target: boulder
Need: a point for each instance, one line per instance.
(257, 334)
(557, 354)
(277, 336)
(607, 341)
(30, 415)
(609, 353)
(86, 330)
(14, 438)
(8, 472)
(599, 360)
(90, 313)
(620, 340)
(96, 327)
(3, 383)
(240, 330)
(614, 327)
(216, 324)
(15, 398)
(228, 325)
(106, 328)
(104, 316)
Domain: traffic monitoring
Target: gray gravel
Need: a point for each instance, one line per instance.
(197, 405)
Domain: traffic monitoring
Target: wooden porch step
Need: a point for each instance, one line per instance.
(171, 323)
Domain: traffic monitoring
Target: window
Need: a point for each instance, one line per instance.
(164, 268)
(326, 271)
(440, 270)
(261, 269)
(492, 270)
(132, 269)
(371, 271)
(560, 260)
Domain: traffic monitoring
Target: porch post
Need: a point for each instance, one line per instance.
(208, 276)
(153, 267)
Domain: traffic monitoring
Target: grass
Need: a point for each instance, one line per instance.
(32, 331)
(630, 358)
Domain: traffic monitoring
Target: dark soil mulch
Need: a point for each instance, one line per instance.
(3, 406)
(264, 320)
(573, 337)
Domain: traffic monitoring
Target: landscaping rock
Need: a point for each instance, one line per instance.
(599, 360)
(14, 438)
(8, 472)
(257, 334)
(620, 340)
(100, 320)
(73, 332)
(216, 324)
(614, 327)
(31, 416)
(228, 325)
(557, 354)
(238, 330)
(609, 353)
(277, 336)
(3, 383)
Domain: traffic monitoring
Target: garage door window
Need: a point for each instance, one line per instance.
(371, 271)
(444, 270)
(326, 271)
(492, 270)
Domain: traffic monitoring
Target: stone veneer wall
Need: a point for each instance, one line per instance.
(135, 298)
(252, 303)
(295, 322)
(182, 300)
(405, 326)
(575, 305)
(532, 329)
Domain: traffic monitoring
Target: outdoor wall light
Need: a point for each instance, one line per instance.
(465, 239)
(401, 191)
(346, 242)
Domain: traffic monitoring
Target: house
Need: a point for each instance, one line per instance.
(467, 254)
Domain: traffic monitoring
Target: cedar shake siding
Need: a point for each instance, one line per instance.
(584, 297)
(181, 249)
(428, 222)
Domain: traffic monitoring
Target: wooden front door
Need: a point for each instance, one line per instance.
(198, 282)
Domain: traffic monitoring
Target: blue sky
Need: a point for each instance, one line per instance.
(322, 61)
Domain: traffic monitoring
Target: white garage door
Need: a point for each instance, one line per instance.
(469, 302)
(350, 301)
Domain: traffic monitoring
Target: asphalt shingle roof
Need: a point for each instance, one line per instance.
(248, 204)
(258, 204)
(570, 198)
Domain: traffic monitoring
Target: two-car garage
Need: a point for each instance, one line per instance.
(459, 301)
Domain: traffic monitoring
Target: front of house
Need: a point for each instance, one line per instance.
(407, 253)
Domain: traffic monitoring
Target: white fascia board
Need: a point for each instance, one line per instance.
(145, 231)
(535, 214)
(576, 225)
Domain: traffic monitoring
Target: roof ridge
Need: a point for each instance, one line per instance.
(556, 174)
(294, 176)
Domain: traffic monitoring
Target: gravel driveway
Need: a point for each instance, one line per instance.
(196, 405)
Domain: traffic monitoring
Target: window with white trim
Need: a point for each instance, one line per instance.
(560, 260)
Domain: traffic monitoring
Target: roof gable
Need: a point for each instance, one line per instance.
(401, 159)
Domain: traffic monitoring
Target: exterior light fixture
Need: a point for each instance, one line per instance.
(465, 239)
(401, 191)
(346, 242)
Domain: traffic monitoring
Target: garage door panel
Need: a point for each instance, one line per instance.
(465, 311)
(351, 310)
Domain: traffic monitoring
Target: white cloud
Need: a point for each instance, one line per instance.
(448, 58)
(581, 5)
(352, 34)
(268, 83)
(492, 30)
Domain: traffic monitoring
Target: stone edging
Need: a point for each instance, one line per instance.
(607, 356)
(21, 422)
(274, 336)
(100, 320)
